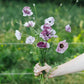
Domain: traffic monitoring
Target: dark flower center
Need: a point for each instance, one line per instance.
(47, 34)
(26, 11)
(61, 45)
(49, 21)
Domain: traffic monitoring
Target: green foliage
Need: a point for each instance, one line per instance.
(57, 2)
(22, 58)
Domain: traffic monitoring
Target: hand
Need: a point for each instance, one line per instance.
(38, 69)
(51, 75)
(47, 67)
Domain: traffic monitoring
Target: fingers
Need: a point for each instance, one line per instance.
(47, 67)
(36, 74)
(36, 66)
(46, 64)
(38, 69)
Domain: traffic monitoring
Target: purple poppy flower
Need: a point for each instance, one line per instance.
(68, 28)
(46, 26)
(48, 33)
(50, 21)
(29, 24)
(62, 47)
(43, 45)
(27, 11)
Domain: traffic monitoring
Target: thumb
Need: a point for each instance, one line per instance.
(46, 64)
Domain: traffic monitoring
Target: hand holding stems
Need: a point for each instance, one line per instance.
(38, 69)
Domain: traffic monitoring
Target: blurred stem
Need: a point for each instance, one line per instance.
(35, 12)
(42, 79)
(28, 30)
(24, 35)
(36, 33)
(62, 31)
(29, 18)
(42, 57)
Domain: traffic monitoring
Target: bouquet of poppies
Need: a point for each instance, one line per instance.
(46, 33)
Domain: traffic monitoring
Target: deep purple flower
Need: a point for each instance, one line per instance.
(68, 28)
(62, 47)
(48, 33)
(46, 26)
(27, 11)
(43, 45)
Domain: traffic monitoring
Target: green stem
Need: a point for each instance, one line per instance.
(35, 12)
(42, 79)
(42, 61)
(62, 31)
(42, 57)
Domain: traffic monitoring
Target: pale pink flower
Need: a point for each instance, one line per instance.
(48, 33)
(27, 11)
(50, 21)
(29, 24)
(62, 47)
(68, 28)
(46, 26)
(18, 34)
(30, 40)
(43, 45)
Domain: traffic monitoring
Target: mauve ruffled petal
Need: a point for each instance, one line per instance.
(29, 24)
(30, 40)
(27, 11)
(47, 34)
(62, 47)
(46, 26)
(50, 21)
(68, 28)
(18, 34)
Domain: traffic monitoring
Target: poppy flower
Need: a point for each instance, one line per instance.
(30, 40)
(43, 45)
(50, 21)
(62, 47)
(68, 28)
(18, 34)
(27, 11)
(29, 24)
